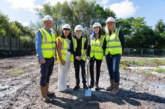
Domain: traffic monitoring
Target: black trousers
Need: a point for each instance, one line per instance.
(77, 65)
(98, 65)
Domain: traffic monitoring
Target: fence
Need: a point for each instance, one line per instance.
(144, 52)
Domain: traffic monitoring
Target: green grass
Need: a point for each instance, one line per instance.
(159, 70)
(136, 61)
(13, 73)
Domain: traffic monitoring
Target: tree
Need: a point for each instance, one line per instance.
(160, 34)
(84, 12)
(3, 24)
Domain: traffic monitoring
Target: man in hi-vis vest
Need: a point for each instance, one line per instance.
(45, 47)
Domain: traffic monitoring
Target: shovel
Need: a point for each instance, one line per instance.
(88, 91)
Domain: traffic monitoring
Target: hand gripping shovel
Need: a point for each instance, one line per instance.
(88, 91)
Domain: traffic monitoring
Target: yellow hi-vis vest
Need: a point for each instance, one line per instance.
(48, 43)
(113, 43)
(82, 47)
(96, 48)
(64, 49)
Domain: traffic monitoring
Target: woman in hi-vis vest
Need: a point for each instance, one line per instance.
(80, 46)
(64, 57)
(114, 46)
(95, 54)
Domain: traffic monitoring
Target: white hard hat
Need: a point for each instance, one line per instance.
(110, 19)
(66, 26)
(78, 27)
(48, 17)
(97, 24)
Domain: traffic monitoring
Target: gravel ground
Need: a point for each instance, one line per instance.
(19, 89)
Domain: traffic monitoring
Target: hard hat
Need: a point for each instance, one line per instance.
(110, 19)
(48, 17)
(66, 26)
(78, 27)
(97, 24)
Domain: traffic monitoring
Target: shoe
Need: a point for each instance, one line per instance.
(97, 88)
(110, 88)
(85, 86)
(76, 87)
(115, 89)
(91, 86)
(47, 100)
(50, 94)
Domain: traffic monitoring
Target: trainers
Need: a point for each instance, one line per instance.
(76, 87)
(91, 86)
(85, 86)
(97, 88)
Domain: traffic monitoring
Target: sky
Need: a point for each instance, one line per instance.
(151, 10)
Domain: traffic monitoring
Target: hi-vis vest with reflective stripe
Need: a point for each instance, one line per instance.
(82, 47)
(48, 43)
(113, 43)
(64, 49)
(96, 48)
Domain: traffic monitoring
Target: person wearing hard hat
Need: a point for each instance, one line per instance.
(45, 48)
(80, 46)
(95, 54)
(114, 46)
(65, 56)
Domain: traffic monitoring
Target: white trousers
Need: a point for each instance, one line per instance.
(63, 71)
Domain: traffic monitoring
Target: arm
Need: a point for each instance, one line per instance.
(122, 40)
(59, 47)
(88, 49)
(104, 45)
(38, 42)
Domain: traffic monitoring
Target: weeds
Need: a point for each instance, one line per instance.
(159, 70)
(13, 73)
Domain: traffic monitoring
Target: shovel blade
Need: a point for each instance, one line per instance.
(88, 92)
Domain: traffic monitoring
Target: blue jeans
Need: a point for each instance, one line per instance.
(46, 71)
(113, 62)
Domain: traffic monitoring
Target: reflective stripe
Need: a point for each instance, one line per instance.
(96, 51)
(48, 48)
(95, 45)
(114, 46)
(48, 42)
(113, 41)
(64, 49)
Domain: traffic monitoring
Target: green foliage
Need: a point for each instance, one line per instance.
(159, 70)
(139, 35)
(135, 62)
(13, 29)
(84, 12)
(3, 24)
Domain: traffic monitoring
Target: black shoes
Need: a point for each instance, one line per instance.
(85, 86)
(76, 87)
(91, 86)
(97, 88)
